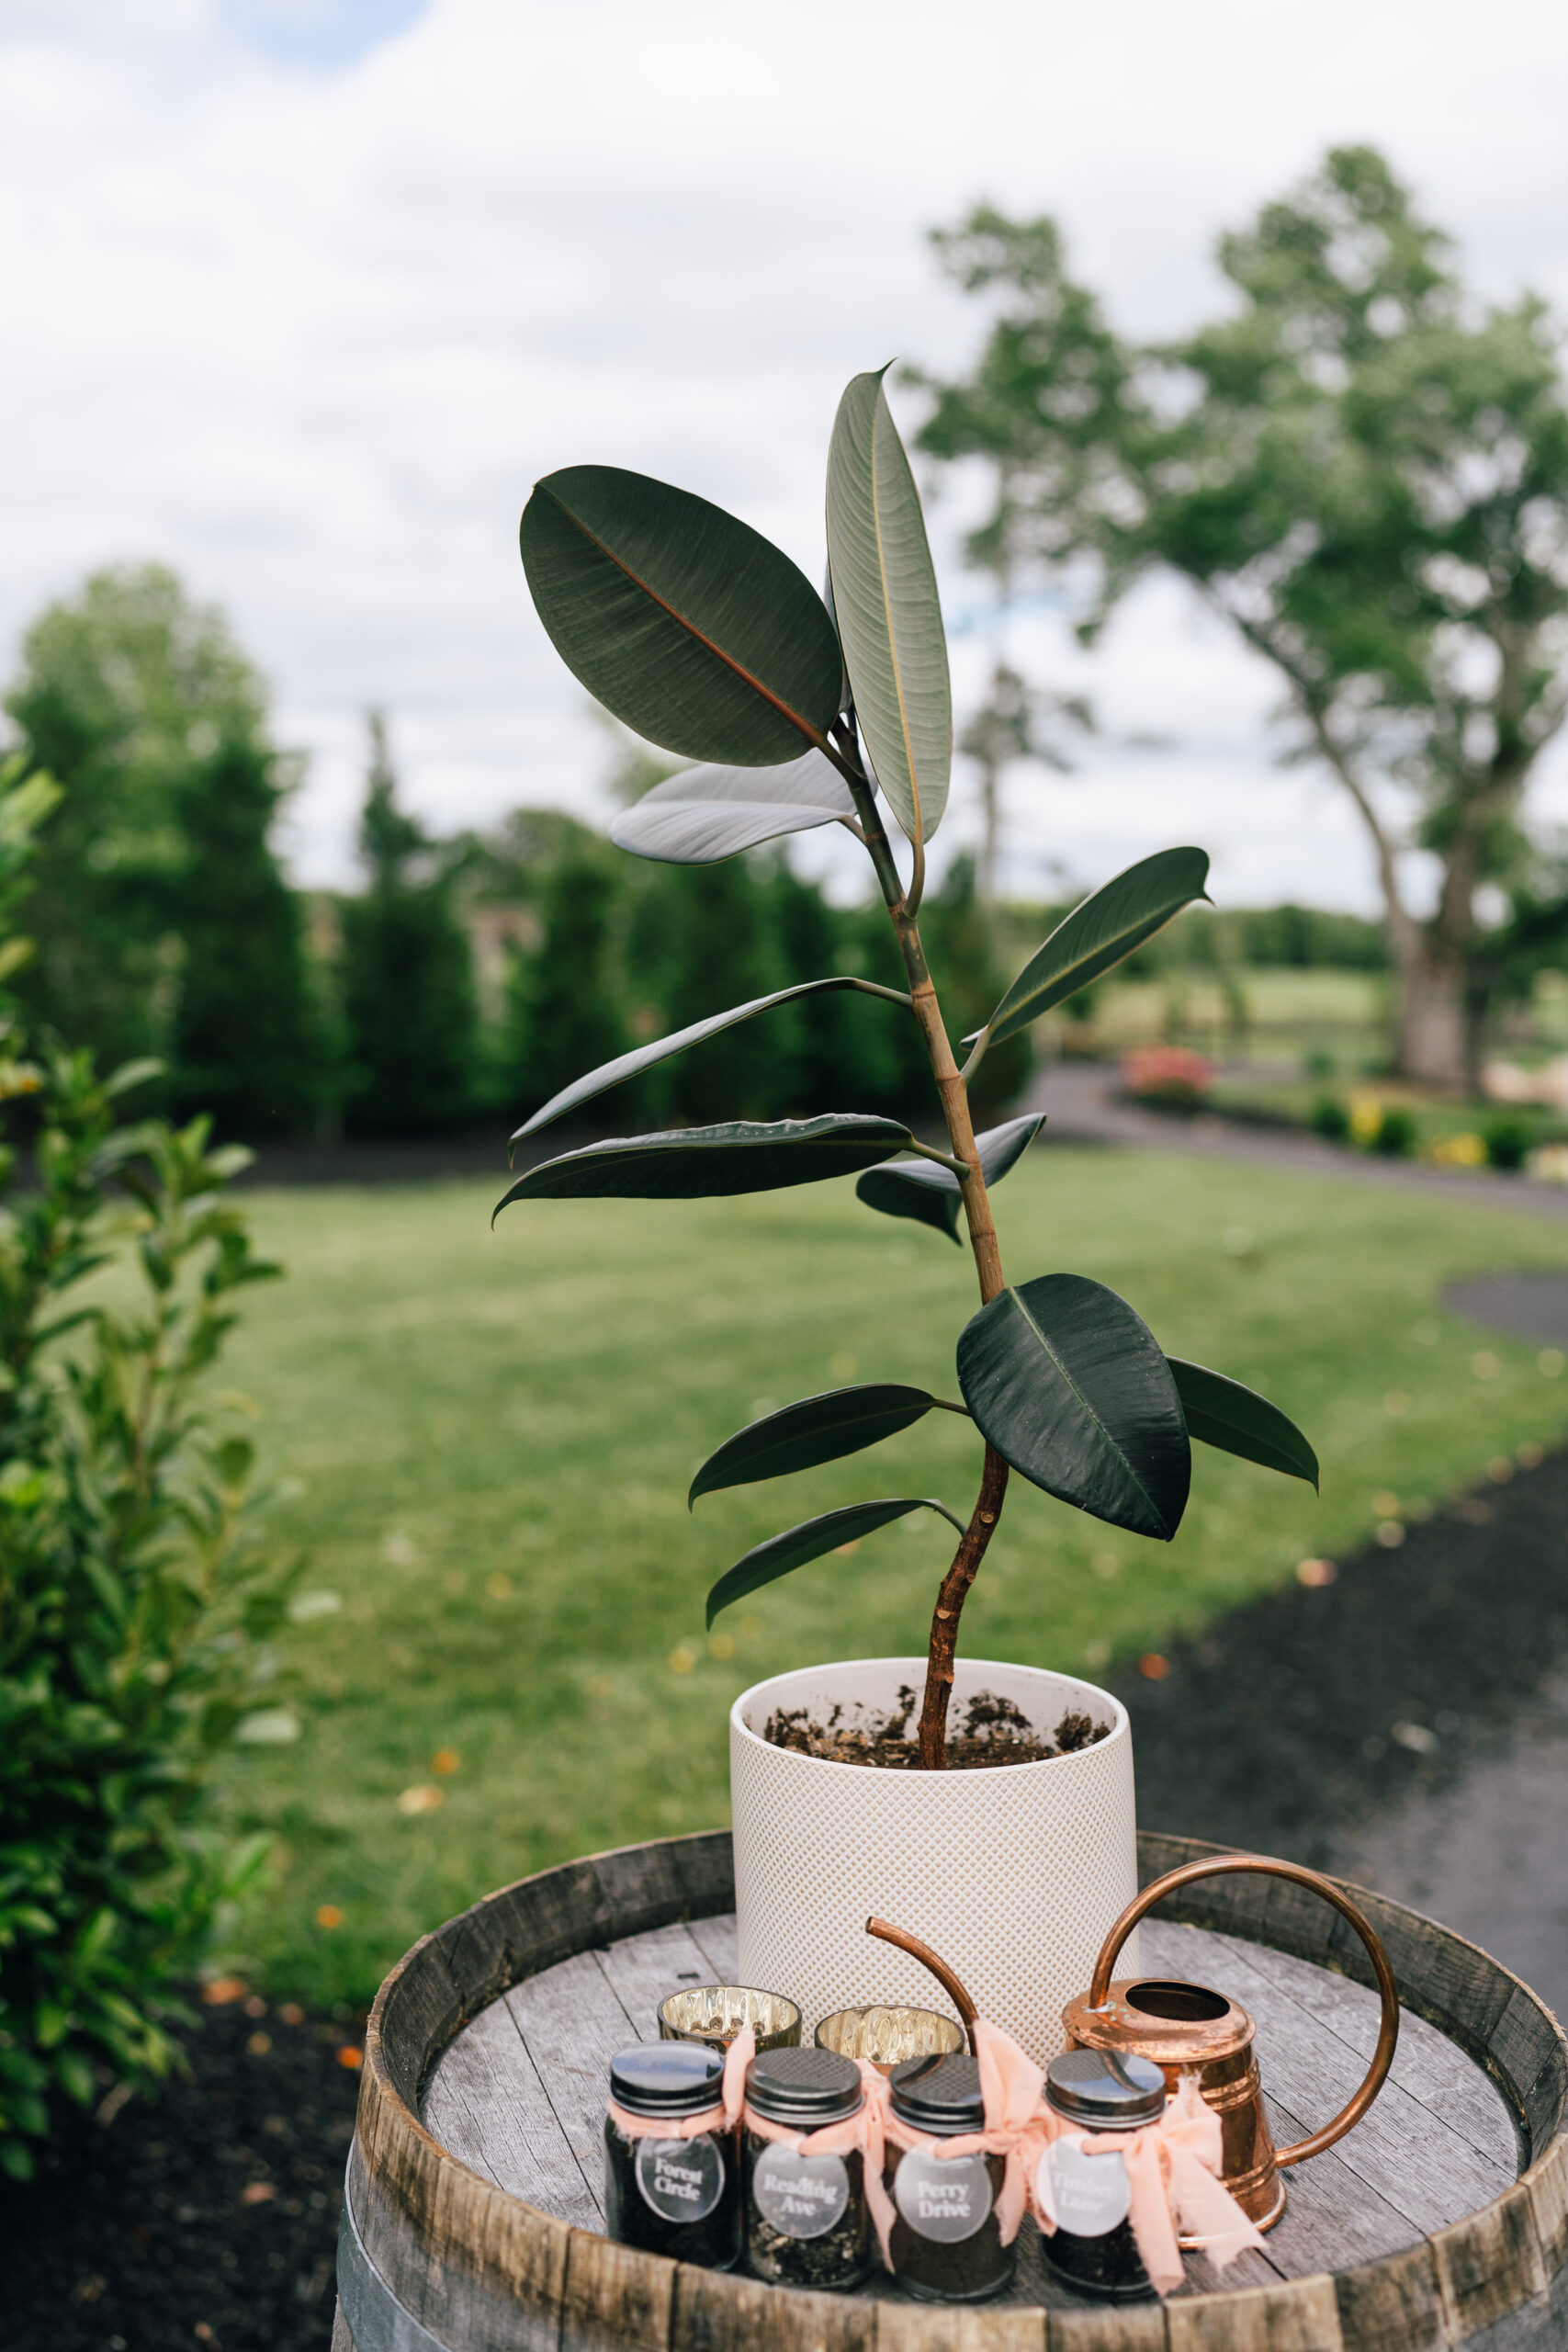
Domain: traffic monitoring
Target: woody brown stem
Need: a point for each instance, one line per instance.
(943, 1643)
(983, 1243)
(955, 1099)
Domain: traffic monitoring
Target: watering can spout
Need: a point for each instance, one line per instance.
(938, 1967)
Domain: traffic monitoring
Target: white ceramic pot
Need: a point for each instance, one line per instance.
(1012, 1873)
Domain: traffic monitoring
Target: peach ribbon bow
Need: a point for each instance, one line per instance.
(864, 2129)
(1010, 2090)
(722, 2118)
(1173, 2170)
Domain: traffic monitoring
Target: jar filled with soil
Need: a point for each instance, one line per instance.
(804, 2208)
(674, 2190)
(946, 2243)
(1093, 2246)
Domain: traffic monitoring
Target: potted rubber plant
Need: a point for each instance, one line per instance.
(988, 1806)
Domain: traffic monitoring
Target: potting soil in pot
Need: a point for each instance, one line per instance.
(988, 1731)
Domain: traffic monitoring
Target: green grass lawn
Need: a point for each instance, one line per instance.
(1325, 1006)
(492, 1436)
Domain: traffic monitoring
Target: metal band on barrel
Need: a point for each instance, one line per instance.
(377, 2320)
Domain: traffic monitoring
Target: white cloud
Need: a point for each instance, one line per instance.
(310, 334)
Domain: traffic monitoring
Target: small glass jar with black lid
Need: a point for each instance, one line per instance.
(946, 2242)
(665, 2193)
(805, 2214)
(1093, 2246)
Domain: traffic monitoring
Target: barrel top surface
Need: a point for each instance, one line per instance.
(519, 2096)
(479, 2147)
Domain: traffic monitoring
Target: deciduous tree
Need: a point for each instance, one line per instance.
(1365, 471)
(163, 922)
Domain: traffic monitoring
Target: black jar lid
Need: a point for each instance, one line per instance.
(1104, 2089)
(939, 2093)
(667, 2078)
(809, 2088)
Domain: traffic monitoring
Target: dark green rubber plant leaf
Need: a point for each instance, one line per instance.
(934, 1195)
(687, 624)
(765, 1562)
(1118, 917)
(1071, 1387)
(888, 612)
(702, 1163)
(817, 1429)
(708, 813)
(1221, 1412)
(582, 1090)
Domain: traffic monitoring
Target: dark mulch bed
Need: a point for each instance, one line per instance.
(474, 1151)
(206, 2220)
(1292, 1720)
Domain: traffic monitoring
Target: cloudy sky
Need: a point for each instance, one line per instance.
(300, 295)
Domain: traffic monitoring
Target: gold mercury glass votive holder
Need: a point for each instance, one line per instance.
(717, 2013)
(887, 2035)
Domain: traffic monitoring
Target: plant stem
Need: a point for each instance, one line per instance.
(943, 1642)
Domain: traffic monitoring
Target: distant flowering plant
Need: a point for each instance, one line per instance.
(1549, 1163)
(1459, 1151)
(1166, 1074)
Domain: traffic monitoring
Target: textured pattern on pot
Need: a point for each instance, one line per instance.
(1015, 1873)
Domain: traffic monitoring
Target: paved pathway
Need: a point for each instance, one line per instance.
(1488, 1856)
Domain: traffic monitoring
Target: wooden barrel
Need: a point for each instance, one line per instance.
(439, 2254)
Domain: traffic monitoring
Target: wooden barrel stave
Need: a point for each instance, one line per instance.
(463, 2266)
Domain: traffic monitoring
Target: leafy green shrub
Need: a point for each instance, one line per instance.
(1395, 1136)
(136, 1596)
(1508, 1139)
(1330, 1119)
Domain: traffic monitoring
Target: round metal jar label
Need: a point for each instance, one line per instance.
(943, 2198)
(801, 2196)
(681, 2180)
(1089, 2194)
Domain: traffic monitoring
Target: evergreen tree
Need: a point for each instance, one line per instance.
(407, 975)
(842, 1052)
(245, 1046)
(566, 1009)
(717, 949)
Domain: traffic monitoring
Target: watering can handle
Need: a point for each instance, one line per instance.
(1236, 1865)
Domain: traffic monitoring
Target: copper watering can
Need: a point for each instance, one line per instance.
(1187, 2028)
